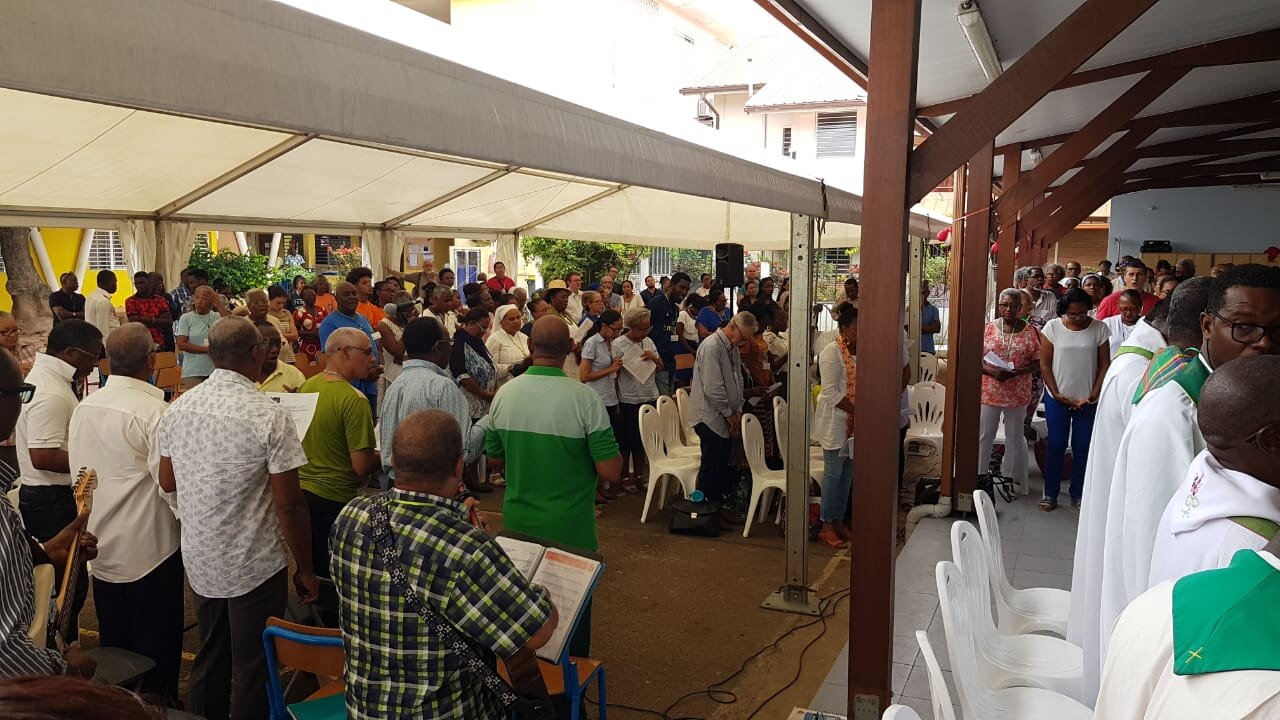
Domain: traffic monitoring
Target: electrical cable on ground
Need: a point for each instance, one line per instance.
(826, 609)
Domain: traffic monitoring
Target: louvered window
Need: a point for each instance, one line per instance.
(786, 143)
(325, 243)
(105, 251)
(837, 135)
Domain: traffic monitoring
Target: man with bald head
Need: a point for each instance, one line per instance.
(137, 577)
(346, 316)
(554, 437)
(233, 456)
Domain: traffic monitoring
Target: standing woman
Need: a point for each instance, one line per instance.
(307, 319)
(278, 314)
(507, 345)
(325, 299)
(1093, 287)
(391, 333)
(750, 294)
(1006, 393)
(473, 368)
(632, 394)
(629, 300)
(715, 314)
(295, 292)
(766, 292)
(599, 369)
(1074, 357)
(833, 425)
(784, 297)
(759, 367)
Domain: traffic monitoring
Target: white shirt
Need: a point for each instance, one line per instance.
(224, 437)
(829, 421)
(99, 312)
(1196, 532)
(690, 325)
(1119, 332)
(506, 350)
(449, 320)
(1045, 307)
(1139, 682)
(574, 307)
(114, 432)
(43, 421)
(1075, 356)
(1115, 404)
(625, 306)
(1157, 447)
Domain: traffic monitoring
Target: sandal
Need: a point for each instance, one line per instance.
(832, 540)
(1047, 505)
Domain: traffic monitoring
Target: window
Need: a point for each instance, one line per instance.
(325, 242)
(837, 135)
(786, 143)
(660, 262)
(466, 264)
(105, 251)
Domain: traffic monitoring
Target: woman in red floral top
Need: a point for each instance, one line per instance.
(1007, 392)
(308, 319)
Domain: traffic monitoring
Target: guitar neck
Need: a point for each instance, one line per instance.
(86, 482)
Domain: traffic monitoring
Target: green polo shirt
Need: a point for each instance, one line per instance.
(343, 424)
(551, 430)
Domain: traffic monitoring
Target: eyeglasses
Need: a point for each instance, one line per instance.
(11, 333)
(366, 351)
(86, 353)
(25, 392)
(1248, 333)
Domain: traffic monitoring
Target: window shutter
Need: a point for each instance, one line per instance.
(105, 251)
(837, 135)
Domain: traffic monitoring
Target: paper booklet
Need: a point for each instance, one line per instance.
(640, 369)
(567, 577)
(302, 406)
(997, 362)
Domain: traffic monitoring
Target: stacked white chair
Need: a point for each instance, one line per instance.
(939, 695)
(661, 465)
(1020, 611)
(682, 404)
(780, 426)
(671, 434)
(928, 399)
(762, 478)
(977, 699)
(900, 712)
(1003, 661)
(928, 367)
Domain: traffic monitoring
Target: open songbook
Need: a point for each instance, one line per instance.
(569, 579)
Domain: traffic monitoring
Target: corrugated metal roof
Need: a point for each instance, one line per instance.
(802, 78)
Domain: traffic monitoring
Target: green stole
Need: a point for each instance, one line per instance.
(1224, 619)
(1173, 364)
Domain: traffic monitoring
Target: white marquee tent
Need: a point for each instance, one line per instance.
(163, 117)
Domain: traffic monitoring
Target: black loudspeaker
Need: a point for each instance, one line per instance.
(1150, 246)
(729, 264)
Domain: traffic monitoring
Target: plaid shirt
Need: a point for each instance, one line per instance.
(394, 668)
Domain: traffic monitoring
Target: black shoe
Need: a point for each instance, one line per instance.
(481, 488)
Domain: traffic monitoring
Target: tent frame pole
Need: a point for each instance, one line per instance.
(795, 596)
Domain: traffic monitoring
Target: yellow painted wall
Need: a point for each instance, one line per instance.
(63, 246)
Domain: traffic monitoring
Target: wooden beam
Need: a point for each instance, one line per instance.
(1113, 161)
(1179, 170)
(1088, 29)
(895, 50)
(1008, 237)
(1258, 47)
(1251, 179)
(1102, 126)
(966, 348)
(1076, 210)
(1198, 146)
(947, 464)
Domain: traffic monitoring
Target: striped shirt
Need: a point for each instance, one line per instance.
(551, 430)
(18, 654)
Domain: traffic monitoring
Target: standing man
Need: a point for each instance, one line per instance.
(46, 499)
(1135, 278)
(536, 308)
(1104, 268)
(446, 277)
(930, 320)
(184, 292)
(367, 300)
(340, 442)
(1053, 274)
(148, 308)
(1185, 269)
(850, 292)
(500, 282)
(426, 384)
(193, 338)
(650, 290)
(715, 403)
(1045, 306)
(1073, 269)
(65, 302)
(665, 308)
(346, 317)
(520, 298)
(233, 456)
(276, 376)
(553, 501)
(442, 309)
(99, 311)
(138, 589)
(573, 281)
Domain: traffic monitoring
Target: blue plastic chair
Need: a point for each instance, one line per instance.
(314, 650)
(571, 677)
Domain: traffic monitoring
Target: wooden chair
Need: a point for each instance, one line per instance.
(309, 649)
(166, 360)
(570, 677)
(169, 379)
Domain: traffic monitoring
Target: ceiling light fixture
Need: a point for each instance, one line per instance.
(979, 38)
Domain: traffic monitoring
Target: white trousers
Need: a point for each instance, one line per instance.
(1015, 447)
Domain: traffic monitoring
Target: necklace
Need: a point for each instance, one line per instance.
(331, 373)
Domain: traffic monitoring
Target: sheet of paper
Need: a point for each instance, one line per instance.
(524, 555)
(302, 406)
(633, 362)
(568, 578)
(996, 361)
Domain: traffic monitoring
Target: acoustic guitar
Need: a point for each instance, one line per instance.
(85, 483)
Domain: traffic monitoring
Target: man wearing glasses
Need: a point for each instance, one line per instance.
(1241, 319)
(340, 442)
(46, 499)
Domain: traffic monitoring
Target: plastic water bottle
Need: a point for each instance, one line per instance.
(697, 496)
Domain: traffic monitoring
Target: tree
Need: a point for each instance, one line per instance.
(592, 259)
(30, 295)
(691, 262)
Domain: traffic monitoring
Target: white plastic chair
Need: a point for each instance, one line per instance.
(762, 478)
(978, 701)
(928, 367)
(682, 404)
(780, 425)
(1020, 611)
(900, 712)
(1003, 660)
(671, 435)
(662, 466)
(927, 402)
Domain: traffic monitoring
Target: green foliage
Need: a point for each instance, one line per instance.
(240, 272)
(284, 275)
(691, 262)
(935, 269)
(592, 259)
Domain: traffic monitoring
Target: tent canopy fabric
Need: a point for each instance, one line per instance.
(290, 122)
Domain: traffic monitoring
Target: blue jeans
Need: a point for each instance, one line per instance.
(837, 482)
(1064, 422)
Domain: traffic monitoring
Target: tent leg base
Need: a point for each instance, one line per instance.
(795, 599)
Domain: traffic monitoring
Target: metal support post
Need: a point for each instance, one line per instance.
(915, 270)
(796, 596)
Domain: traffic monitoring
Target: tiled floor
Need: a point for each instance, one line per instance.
(1038, 548)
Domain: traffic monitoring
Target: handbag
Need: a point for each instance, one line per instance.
(532, 701)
